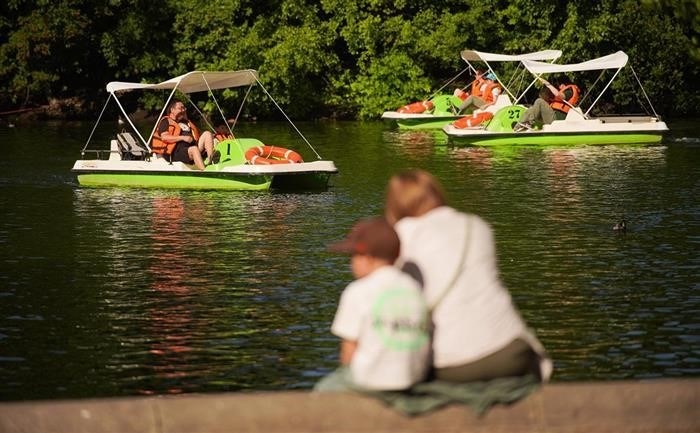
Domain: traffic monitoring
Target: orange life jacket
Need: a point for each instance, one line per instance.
(476, 86)
(163, 147)
(487, 90)
(461, 94)
(559, 104)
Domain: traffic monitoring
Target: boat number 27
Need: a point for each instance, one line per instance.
(513, 114)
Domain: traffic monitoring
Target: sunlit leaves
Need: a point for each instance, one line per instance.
(387, 83)
(347, 58)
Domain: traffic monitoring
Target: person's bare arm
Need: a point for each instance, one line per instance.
(347, 350)
(168, 137)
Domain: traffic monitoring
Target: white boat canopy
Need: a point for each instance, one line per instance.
(192, 82)
(475, 56)
(612, 61)
(479, 56)
(617, 61)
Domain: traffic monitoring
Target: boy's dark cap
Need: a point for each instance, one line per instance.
(372, 237)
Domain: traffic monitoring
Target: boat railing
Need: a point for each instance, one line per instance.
(101, 153)
(627, 119)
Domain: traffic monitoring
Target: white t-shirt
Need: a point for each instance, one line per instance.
(474, 315)
(385, 313)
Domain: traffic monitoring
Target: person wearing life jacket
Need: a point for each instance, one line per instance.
(483, 95)
(222, 133)
(566, 98)
(476, 84)
(178, 139)
(478, 81)
(552, 104)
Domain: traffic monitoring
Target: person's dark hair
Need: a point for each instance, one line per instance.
(172, 104)
(546, 94)
(373, 237)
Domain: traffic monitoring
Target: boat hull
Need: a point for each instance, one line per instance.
(607, 130)
(160, 174)
(443, 113)
(420, 121)
(553, 139)
(175, 181)
(439, 119)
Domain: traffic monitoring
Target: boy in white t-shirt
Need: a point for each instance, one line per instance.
(382, 318)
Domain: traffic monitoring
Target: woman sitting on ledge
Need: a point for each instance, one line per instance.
(478, 334)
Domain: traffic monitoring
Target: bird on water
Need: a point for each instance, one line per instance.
(621, 226)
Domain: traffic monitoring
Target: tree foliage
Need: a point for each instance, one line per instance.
(336, 58)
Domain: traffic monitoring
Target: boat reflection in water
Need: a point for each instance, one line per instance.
(257, 315)
(177, 256)
(206, 290)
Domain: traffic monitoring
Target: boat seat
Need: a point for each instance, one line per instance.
(129, 147)
(575, 113)
(114, 153)
(503, 100)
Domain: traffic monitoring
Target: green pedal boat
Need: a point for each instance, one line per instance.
(237, 163)
(578, 127)
(442, 109)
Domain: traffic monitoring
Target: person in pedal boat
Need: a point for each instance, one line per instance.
(553, 104)
(483, 95)
(382, 318)
(222, 133)
(178, 139)
(478, 334)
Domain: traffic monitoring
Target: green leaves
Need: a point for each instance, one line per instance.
(387, 83)
(337, 58)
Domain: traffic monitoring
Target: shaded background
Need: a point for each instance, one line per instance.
(334, 58)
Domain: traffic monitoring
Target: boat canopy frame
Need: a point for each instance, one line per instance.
(615, 61)
(192, 82)
(473, 55)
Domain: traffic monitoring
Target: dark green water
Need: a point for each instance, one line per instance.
(129, 292)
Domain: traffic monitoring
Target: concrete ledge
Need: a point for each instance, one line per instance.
(658, 406)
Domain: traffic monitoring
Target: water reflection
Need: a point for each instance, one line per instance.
(207, 288)
(177, 253)
(416, 145)
(476, 157)
(125, 291)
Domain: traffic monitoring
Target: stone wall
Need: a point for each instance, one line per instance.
(657, 406)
